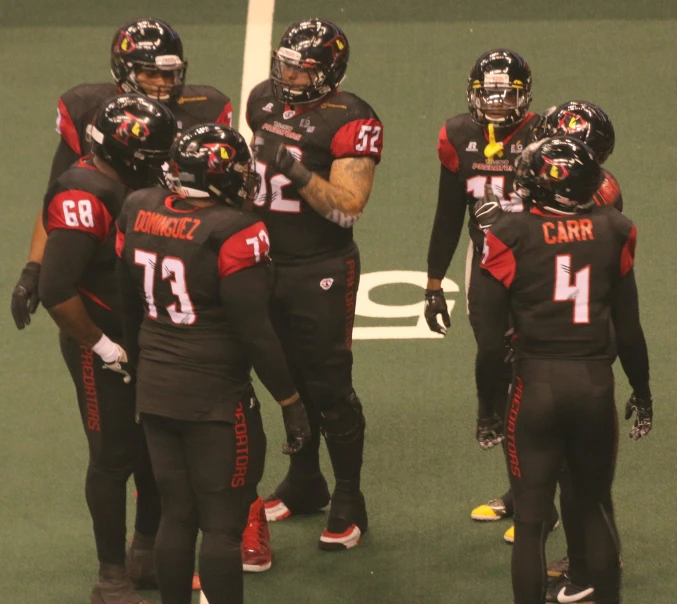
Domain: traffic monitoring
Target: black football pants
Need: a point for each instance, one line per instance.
(475, 289)
(562, 411)
(207, 473)
(117, 449)
(313, 311)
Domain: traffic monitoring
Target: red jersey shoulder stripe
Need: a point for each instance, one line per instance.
(245, 248)
(446, 152)
(499, 260)
(66, 128)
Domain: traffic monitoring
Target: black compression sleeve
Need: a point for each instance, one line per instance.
(64, 158)
(132, 311)
(449, 218)
(67, 254)
(245, 295)
(630, 341)
(494, 308)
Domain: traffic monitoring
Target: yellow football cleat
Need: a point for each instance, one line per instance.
(509, 535)
(489, 512)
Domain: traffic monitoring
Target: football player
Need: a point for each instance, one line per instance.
(317, 148)
(562, 405)
(478, 149)
(146, 58)
(131, 136)
(201, 265)
(589, 123)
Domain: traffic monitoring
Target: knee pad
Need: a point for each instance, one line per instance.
(343, 422)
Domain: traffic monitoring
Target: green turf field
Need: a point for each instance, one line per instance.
(423, 470)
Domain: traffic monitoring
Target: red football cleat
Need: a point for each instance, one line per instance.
(255, 546)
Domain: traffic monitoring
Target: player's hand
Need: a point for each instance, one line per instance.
(25, 298)
(436, 304)
(113, 356)
(644, 420)
(270, 150)
(488, 209)
(296, 426)
(489, 432)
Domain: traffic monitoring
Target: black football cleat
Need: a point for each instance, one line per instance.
(347, 522)
(296, 495)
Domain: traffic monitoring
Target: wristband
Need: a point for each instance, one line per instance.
(106, 349)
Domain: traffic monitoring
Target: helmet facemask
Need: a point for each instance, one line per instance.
(498, 101)
(311, 88)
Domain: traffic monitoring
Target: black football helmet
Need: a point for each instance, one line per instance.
(133, 134)
(148, 44)
(583, 120)
(499, 89)
(213, 161)
(559, 174)
(317, 48)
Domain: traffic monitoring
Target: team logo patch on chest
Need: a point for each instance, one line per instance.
(290, 113)
(282, 130)
(325, 284)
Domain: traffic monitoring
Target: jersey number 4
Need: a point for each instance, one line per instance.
(174, 270)
(578, 292)
(275, 184)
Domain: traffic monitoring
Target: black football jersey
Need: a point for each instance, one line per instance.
(560, 272)
(341, 125)
(78, 106)
(191, 364)
(464, 148)
(86, 200)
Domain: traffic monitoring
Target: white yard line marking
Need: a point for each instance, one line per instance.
(257, 47)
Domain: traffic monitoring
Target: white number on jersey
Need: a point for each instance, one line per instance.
(77, 214)
(578, 293)
(276, 184)
(365, 139)
(174, 270)
(475, 186)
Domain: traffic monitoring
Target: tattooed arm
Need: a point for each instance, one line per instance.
(344, 196)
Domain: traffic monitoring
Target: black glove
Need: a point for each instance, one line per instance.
(25, 298)
(489, 432)
(488, 209)
(644, 419)
(435, 304)
(272, 152)
(297, 427)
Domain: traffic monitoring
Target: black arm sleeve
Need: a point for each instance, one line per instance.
(64, 158)
(245, 295)
(630, 341)
(67, 254)
(494, 309)
(449, 218)
(132, 309)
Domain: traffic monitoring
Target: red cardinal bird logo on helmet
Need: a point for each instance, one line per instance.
(554, 170)
(125, 44)
(571, 122)
(220, 155)
(131, 127)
